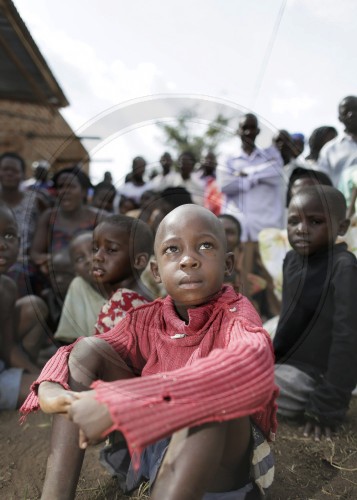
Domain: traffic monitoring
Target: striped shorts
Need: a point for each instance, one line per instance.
(115, 458)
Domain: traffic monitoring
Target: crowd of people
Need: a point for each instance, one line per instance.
(138, 310)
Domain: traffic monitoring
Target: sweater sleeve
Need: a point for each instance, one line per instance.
(56, 369)
(229, 383)
(328, 404)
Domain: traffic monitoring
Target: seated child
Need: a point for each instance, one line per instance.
(249, 285)
(316, 339)
(103, 197)
(83, 301)
(233, 231)
(21, 329)
(61, 274)
(196, 366)
(106, 269)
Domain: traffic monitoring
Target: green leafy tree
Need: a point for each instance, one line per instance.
(182, 135)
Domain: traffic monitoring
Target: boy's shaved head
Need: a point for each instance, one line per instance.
(191, 257)
(184, 213)
(331, 199)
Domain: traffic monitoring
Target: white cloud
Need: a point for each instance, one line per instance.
(289, 99)
(331, 10)
(294, 105)
(92, 86)
(90, 82)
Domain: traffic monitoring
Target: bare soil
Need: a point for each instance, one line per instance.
(305, 470)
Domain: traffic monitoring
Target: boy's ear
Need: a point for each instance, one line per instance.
(155, 271)
(229, 264)
(343, 226)
(141, 261)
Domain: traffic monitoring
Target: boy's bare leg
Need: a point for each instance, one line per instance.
(211, 457)
(92, 358)
(64, 462)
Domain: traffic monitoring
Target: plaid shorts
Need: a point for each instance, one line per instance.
(116, 459)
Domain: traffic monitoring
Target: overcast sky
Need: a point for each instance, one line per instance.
(109, 54)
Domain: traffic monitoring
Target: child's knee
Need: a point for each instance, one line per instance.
(95, 359)
(85, 351)
(83, 364)
(32, 309)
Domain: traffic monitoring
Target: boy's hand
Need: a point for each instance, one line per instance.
(317, 430)
(92, 417)
(53, 398)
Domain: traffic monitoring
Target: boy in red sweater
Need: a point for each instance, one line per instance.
(204, 375)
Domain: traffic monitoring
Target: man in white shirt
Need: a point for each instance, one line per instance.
(168, 177)
(340, 154)
(253, 182)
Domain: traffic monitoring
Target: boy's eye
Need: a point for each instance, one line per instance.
(293, 221)
(171, 249)
(206, 245)
(9, 236)
(94, 249)
(80, 258)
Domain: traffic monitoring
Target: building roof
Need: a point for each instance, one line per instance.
(24, 74)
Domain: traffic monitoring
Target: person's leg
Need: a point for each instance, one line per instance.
(64, 462)
(90, 359)
(212, 457)
(295, 387)
(31, 315)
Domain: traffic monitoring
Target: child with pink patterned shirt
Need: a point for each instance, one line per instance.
(121, 250)
(101, 262)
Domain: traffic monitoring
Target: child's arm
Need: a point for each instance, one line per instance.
(56, 369)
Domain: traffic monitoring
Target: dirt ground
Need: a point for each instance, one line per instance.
(305, 470)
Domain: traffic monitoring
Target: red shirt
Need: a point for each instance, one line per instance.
(218, 367)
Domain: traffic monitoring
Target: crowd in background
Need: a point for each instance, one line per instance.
(250, 192)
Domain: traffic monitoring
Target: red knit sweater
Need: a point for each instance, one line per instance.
(219, 367)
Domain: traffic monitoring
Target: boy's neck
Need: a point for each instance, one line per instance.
(183, 311)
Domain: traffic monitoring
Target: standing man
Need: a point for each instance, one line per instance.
(168, 177)
(252, 182)
(340, 154)
(135, 184)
